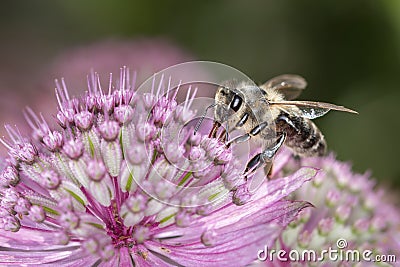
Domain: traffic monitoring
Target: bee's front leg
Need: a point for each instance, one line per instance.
(224, 135)
(214, 130)
(265, 157)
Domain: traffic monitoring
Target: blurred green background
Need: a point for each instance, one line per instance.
(349, 52)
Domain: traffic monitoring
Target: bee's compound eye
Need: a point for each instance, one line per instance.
(236, 103)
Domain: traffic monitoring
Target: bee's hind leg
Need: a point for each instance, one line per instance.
(265, 157)
(268, 168)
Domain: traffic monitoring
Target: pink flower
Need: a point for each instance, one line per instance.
(350, 213)
(109, 187)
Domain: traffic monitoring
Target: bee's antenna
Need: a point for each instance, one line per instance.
(203, 117)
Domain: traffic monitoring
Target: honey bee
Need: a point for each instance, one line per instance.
(269, 113)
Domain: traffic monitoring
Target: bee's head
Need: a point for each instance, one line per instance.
(223, 100)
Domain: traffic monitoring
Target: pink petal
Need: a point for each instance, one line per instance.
(125, 258)
(37, 247)
(278, 188)
(78, 258)
(114, 261)
(150, 259)
(32, 239)
(236, 243)
(38, 257)
(269, 193)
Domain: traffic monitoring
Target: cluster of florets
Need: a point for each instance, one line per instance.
(350, 213)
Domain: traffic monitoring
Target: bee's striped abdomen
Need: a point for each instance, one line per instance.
(303, 136)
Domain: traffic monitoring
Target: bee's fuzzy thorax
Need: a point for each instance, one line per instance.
(273, 95)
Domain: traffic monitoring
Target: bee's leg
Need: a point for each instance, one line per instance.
(265, 157)
(227, 133)
(239, 139)
(214, 130)
(268, 168)
(243, 138)
(224, 135)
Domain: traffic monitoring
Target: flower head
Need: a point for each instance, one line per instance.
(350, 212)
(123, 182)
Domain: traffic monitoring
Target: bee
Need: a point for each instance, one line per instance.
(268, 113)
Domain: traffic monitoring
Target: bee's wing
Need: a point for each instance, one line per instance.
(310, 109)
(289, 85)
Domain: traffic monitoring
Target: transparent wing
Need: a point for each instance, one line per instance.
(289, 85)
(310, 109)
